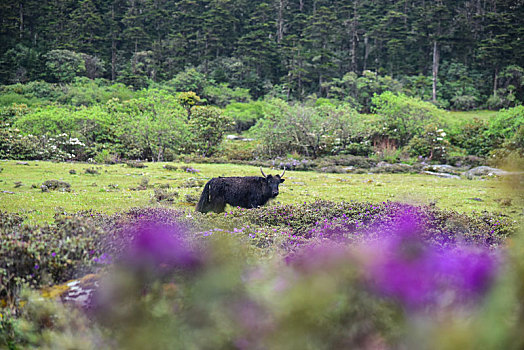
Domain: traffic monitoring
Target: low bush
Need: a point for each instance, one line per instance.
(57, 185)
(360, 217)
(35, 256)
(136, 164)
(170, 167)
(91, 171)
(474, 138)
(161, 195)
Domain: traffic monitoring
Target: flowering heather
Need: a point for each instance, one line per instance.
(156, 246)
(121, 229)
(354, 221)
(419, 274)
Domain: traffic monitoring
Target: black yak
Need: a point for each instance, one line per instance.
(245, 192)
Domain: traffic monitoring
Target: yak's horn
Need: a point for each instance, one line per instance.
(262, 172)
(283, 172)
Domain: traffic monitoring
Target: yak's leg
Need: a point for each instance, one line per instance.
(218, 205)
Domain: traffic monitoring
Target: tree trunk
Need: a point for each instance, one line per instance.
(435, 70)
(366, 52)
(354, 39)
(280, 21)
(21, 8)
(495, 77)
(113, 45)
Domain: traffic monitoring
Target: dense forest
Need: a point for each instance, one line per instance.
(464, 54)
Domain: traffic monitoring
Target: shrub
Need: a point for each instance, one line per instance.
(170, 167)
(474, 138)
(136, 164)
(153, 126)
(359, 91)
(244, 115)
(239, 150)
(309, 131)
(430, 144)
(402, 117)
(57, 185)
(43, 255)
(221, 95)
(91, 171)
(357, 220)
(161, 195)
(207, 126)
(507, 122)
(64, 65)
(464, 102)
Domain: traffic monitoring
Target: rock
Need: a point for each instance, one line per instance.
(78, 292)
(441, 168)
(383, 164)
(22, 163)
(384, 167)
(484, 171)
(443, 175)
(237, 138)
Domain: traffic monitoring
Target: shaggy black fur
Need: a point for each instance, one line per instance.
(245, 192)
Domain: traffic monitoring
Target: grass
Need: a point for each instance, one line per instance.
(455, 118)
(97, 192)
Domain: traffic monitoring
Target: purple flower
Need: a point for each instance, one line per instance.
(103, 259)
(37, 266)
(160, 246)
(53, 254)
(419, 275)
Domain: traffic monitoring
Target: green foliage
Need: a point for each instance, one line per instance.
(10, 113)
(403, 117)
(461, 86)
(35, 256)
(88, 92)
(64, 65)
(188, 80)
(508, 126)
(222, 95)
(474, 137)
(310, 131)
(464, 102)
(188, 100)
(431, 144)
(244, 115)
(507, 122)
(359, 90)
(50, 120)
(511, 90)
(207, 127)
(150, 127)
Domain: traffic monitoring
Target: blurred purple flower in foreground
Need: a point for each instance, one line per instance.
(417, 274)
(160, 246)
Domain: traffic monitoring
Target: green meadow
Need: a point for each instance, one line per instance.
(114, 188)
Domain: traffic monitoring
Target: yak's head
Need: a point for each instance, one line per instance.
(273, 182)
